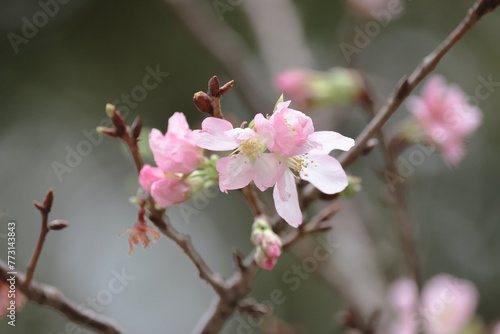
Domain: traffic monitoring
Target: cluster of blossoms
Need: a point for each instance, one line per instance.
(268, 244)
(176, 156)
(272, 151)
(445, 118)
(446, 305)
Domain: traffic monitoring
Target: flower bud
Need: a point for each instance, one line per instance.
(203, 103)
(224, 89)
(58, 224)
(353, 187)
(107, 131)
(213, 86)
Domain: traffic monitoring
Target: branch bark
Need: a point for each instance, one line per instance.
(52, 297)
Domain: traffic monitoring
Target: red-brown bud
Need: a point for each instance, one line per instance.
(213, 86)
(203, 103)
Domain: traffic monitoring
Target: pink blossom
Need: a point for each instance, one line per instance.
(164, 190)
(175, 152)
(290, 133)
(446, 305)
(247, 162)
(496, 329)
(446, 116)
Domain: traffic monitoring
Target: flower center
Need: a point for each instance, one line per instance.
(251, 148)
(299, 163)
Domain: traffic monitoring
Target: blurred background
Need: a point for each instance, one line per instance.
(57, 76)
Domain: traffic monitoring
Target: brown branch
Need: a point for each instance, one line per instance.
(52, 297)
(184, 242)
(253, 200)
(44, 211)
(240, 282)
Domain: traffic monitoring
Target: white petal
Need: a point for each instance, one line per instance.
(213, 137)
(325, 173)
(266, 170)
(235, 172)
(288, 209)
(332, 141)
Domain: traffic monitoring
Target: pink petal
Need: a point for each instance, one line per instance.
(169, 191)
(213, 137)
(157, 142)
(178, 125)
(266, 170)
(448, 303)
(325, 173)
(149, 175)
(265, 130)
(331, 140)
(235, 172)
(288, 209)
(403, 294)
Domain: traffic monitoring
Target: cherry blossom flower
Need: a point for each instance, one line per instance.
(290, 133)
(141, 232)
(5, 300)
(175, 152)
(247, 162)
(446, 117)
(165, 188)
(446, 305)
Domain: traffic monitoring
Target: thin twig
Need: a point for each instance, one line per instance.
(253, 200)
(52, 297)
(44, 211)
(318, 223)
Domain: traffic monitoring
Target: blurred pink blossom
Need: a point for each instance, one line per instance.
(367, 7)
(446, 305)
(446, 116)
(293, 84)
